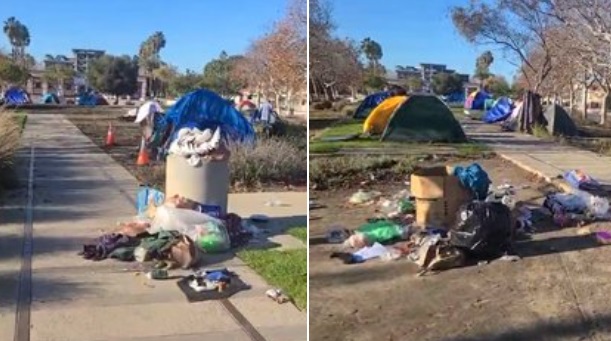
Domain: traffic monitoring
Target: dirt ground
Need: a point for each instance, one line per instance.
(557, 291)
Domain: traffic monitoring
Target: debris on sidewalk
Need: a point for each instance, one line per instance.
(362, 197)
(277, 295)
(578, 179)
(215, 284)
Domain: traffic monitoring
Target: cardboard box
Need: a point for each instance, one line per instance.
(439, 195)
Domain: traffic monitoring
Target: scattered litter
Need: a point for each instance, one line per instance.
(337, 235)
(273, 203)
(362, 197)
(578, 179)
(158, 274)
(583, 231)
(510, 258)
(603, 237)
(277, 295)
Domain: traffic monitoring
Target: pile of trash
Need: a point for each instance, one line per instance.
(195, 145)
(484, 227)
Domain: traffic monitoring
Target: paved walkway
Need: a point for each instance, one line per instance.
(548, 159)
(79, 191)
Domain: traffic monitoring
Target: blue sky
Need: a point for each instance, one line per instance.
(196, 30)
(413, 32)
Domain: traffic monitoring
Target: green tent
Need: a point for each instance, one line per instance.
(559, 122)
(423, 118)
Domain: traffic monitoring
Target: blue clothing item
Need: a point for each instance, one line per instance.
(475, 179)
(266, 111)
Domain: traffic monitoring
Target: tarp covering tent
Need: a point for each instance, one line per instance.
(369, 103)
(477, 100)
(204, 109)
(378, 118)
(91, 99)
(559, 122)
(50, 98)
(499, 112)
(530, 114)
(423, 118)
(16, 96)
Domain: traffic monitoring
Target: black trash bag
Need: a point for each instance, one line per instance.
(483, 230)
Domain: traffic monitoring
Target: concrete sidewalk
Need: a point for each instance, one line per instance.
(547, 159)
(80, 191)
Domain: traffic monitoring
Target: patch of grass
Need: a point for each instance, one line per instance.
(343, 128)
(287, 270)
(345, 171)
(300, 233)
(472, 149)
(541, 132)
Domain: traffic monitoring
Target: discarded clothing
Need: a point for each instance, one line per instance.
(475, 178)
(103, 246)
(370, 252)
(580, 180)
(346, 257)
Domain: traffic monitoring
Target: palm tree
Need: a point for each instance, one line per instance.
(19, 38)
(149, 58)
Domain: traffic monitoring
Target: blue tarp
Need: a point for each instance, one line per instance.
(50, 98)
(91, 99)
(477, 101)
(16, 96)
(369, 103)
(204, 109)
(499, 112)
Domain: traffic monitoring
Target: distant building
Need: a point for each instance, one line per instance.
(426, 72)
(83, 59)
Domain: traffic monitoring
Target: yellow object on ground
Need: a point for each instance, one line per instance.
(378, 118)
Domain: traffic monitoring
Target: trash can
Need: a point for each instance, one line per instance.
(207, 184)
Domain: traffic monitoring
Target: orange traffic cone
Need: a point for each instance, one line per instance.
(143, 155)
(110, 136)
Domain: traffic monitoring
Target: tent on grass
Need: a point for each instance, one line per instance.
(377, 120)
(422, 118)
(16, 96)
(369, 103)
(91, 98)
(477, 100)
(559, 122)
(499, 112)
(204, 109)
(50, 98)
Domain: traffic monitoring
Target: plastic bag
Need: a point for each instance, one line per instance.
(362, 197)
(208, 232)
(483, 229)
(382, 231)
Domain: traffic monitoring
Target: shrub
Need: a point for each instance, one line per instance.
(271, 161)
(10, 133)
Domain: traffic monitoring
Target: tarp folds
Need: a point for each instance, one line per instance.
(369, 103)
(477, 100)
(16, 96)
(559, 122)
(499, 112)
(378, 118)
(204, 109)
(423, 118)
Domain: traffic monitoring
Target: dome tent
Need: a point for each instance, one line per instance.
(378, 118)
(369, 103)
(500, 111)
(421, 118)
(16, 96)
(50, 98)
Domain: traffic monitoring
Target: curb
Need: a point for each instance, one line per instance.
(561, 184)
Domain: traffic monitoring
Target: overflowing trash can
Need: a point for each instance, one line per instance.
(206, 183)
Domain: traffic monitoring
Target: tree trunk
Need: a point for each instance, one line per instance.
(289, 103)
(584, 102)
(278, 103)
(571, 100)
(603, 108)
(314, 88)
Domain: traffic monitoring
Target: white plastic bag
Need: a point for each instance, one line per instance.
(207, 232)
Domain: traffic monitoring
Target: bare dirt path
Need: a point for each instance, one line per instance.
(558, 291)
